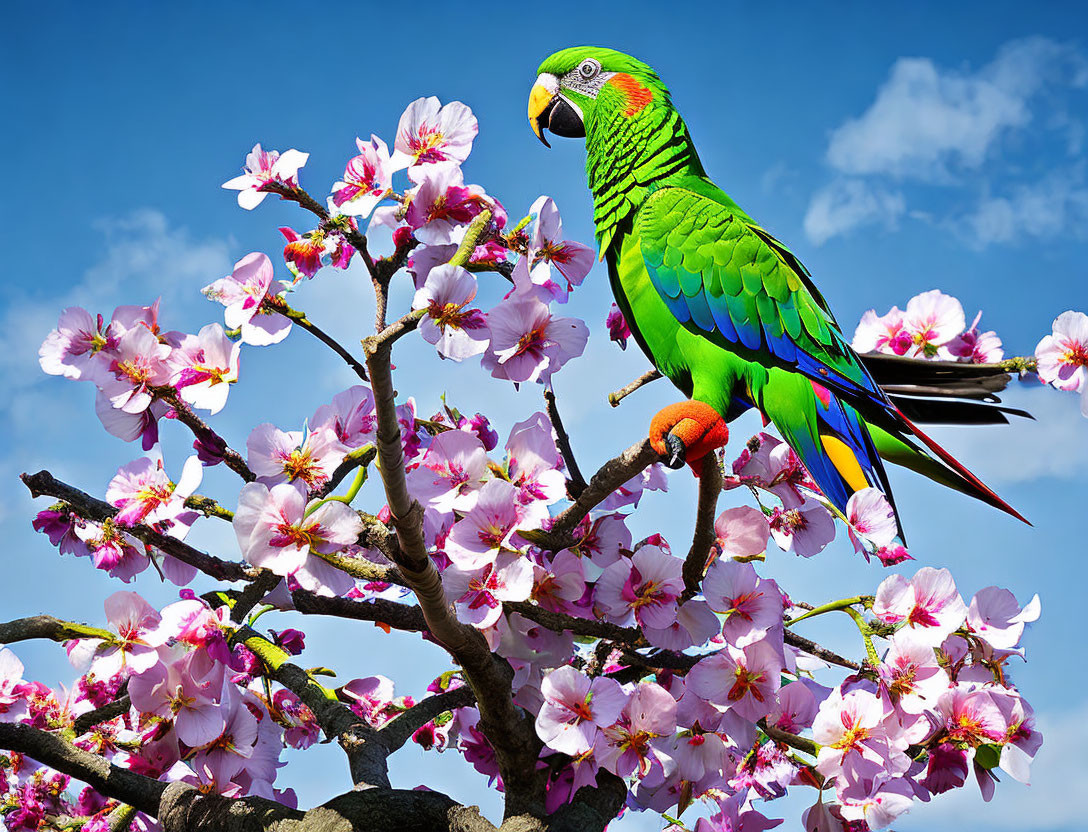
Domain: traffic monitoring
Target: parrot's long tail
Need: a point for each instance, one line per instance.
(843, 448)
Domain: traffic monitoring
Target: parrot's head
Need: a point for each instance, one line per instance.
(574, 84)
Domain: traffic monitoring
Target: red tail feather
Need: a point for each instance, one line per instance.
(956, 466)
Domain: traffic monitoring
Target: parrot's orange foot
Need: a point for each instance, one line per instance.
(686, 432)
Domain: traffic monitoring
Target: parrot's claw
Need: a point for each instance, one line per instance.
(686, 432)
(676, 452)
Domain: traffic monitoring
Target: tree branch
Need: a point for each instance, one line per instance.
(792, 740)
(399, 730)
(300, 318)
(710, 487)
(48, 627)
(45, 484)
(378, 610)
(618, 396)
(203, 431)
(111, 710)
(820, 652)
(608, 478)
(577, 483)
(113, 781)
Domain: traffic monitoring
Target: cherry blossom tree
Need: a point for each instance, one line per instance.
(589, 673)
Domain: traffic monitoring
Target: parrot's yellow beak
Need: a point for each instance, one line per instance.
(541, 98)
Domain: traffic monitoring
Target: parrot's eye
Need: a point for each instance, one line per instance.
(588, 69)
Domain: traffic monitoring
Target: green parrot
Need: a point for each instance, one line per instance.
(722, 308)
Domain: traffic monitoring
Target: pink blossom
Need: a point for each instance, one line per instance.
(442, 206)
(768, 462)
(451, 472)
(946, 768)
(487, 529)
(189, 690)
(350, 417)
(647, 585)
(533, 463)
(1063, 355)
(193, 623)
(877, 804)
(751, 605)
(548, 249)
(871, 520)
(626, 748)
(134, 650)
(882, 333)
(932, 319)
(262, 167)
(1022, 740)
(277, 456)
(138, 363)
(973, 346)
(13, 705)
(78, 338)
(618, 330)
(602, 539)
(694, 625)
(145, 494)
(732, 816)
(113, 550)
(370, 698)
(528, 343)
(805, 530)
(928, 604)
(854, 740)
(911, 674)
(745, 681)
(430, 133)
(796, 707)
(561, 583)
(741, 532)
(368, 177)
(229, 753)
(306, 253)
(477, 594)
(575, 708)
(995, 616)
(243, 293)
(459, 333)
(970, 716)
(206, 365)
(274, 532)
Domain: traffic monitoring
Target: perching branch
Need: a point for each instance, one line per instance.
(577, 483)
(48, 627)
(399, 730)
(608, 478)
(203, 431)
(710, 487)
(45, 484)
(378, 610)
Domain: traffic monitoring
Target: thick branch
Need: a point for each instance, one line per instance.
(511, 733)
(618, 396)
(611, 476)
(45, 484)
(366, 756)
(48, 627)
(577, 483)
(710, 487)
(113, 781)
(111, 710)
(203, 431)
(400, 729)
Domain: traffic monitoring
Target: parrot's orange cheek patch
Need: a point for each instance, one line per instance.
(635, 95)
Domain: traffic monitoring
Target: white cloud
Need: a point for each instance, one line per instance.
(926, 120)
(1056, 205)
(144, 259)
(1048, 804)
(846, 204)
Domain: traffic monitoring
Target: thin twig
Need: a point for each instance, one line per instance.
(111, 710)
(203, 431)
(778, 735)
(399, 730)
(577, 483)
(300, 318)
(820, 652)
(618, 396)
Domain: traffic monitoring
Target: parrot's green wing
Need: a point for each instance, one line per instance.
(726, 279)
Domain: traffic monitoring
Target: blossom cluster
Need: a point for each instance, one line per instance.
(690, 694)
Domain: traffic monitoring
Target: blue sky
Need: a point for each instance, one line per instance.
(895, 148)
